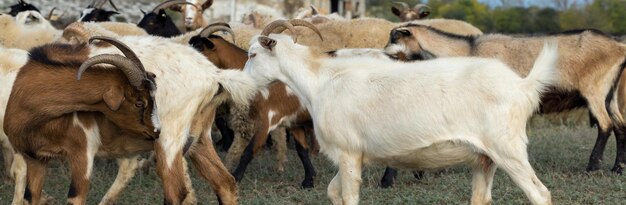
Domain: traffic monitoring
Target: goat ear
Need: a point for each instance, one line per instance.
(209, 44)
(267, 42)
(404, 32)
(207, 4)
(395, 11)
(114, 97)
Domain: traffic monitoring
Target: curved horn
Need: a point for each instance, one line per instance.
(300, 22)
(76, 30)
(403, 4)
(113, 5)
(167, 4)
(92, 4)
(314, 11)
(51, 12)
(220, 26)
(134, 74)
(278, 23)
(122, 47)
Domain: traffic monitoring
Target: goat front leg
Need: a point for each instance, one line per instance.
(127, 167)
(350, 167)
(7, 154)
(18, 172)
(260, 138)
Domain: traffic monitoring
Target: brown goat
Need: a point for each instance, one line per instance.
(52, 115)
(268, 110)
(192, 14)
(405, 13)
(590, 66)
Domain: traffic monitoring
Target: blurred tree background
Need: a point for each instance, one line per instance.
(513, 16)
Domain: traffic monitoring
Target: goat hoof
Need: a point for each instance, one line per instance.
(618, 169)
(307, 184)
(593, 167)
(385, 183)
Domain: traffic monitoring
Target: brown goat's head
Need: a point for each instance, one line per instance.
(132, 107)
(405, 13)
(214, 47)
(403, 43)
(192, 14)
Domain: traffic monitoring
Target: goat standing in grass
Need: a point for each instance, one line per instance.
(444, 112)
(590, 64)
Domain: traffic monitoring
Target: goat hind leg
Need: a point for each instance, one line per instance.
(600, 112)
(302, 148)
(255, 145)
(210, 167)
(279, 140)
(482, 181)
(81, 166)
(514, 161)
(35, 176)
(334, 190)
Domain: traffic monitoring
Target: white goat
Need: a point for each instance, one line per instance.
(27, 30)
(445, 112)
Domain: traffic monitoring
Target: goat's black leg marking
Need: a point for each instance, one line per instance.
(245, 159)
(389, 177)
(595, 159)
(419, 175)
(309, 170)
(227, 134)
(27, 194)
(620, 141)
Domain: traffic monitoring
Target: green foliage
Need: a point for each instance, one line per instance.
(606, 15)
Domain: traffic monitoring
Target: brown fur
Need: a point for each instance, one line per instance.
(227, 56)
(39, 117)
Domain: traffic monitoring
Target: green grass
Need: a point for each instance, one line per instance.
(558, 154)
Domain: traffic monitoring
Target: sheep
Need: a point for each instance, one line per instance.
(444, 112)
(186, 117)
(591, 64)
(158, 23)
(95, 13)
(270, 110)
(22, 6)
(405, 13)
(193, 18)
(27, 30)
(46, 119)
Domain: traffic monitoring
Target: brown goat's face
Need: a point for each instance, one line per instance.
(410, 14)
(403, 44)
(134, 110)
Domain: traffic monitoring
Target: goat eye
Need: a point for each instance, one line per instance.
(139, 104)
(253, 55)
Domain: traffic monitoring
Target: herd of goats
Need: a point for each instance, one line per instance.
(420, 95)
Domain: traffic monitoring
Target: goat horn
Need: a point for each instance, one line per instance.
(403, 4)
(51, 12)
(134, 74)
(300, 22)
(278, 23)
(167, 4)
(76, 30)
(314, 11)
(113, 5)
(219, 26)
(124, 48)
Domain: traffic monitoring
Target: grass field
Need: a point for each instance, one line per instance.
(558, 154)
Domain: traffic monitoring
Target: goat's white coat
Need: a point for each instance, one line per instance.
(418, 115)
(185, 80)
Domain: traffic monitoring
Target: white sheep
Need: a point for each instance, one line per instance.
(445, 112)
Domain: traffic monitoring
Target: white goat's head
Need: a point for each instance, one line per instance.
(268, 54)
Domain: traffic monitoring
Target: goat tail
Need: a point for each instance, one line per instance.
(544, 72)
(240, 85)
